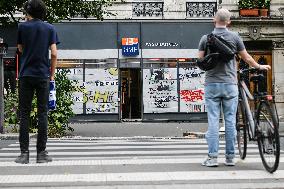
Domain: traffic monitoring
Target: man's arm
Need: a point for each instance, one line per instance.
(53, 49)
(248, 59)
(20, 48)
(201, 54)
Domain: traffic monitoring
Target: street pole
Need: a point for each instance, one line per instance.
(3, 51)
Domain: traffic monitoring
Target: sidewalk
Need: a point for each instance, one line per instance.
(134, 129)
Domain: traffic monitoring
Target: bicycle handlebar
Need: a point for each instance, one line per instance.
(251, 70)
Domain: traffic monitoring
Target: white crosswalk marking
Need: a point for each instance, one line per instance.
(134, 162)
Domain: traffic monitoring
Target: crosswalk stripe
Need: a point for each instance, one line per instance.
(195, 160)
(111, 157)
(144, 176)
(89, 147)
(125, 162)
(94, 143)
(140, 152)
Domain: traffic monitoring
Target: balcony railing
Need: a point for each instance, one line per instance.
(148, 9)
(201, 9)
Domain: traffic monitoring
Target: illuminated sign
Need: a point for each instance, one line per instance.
(130, 47)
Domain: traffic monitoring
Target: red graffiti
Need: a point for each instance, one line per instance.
(191, 95)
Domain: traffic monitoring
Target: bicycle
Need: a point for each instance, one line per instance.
(258, 124)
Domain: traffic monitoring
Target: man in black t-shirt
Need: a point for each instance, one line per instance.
(35, 38)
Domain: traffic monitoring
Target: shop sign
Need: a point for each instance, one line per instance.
(163, 44)
(130, 47)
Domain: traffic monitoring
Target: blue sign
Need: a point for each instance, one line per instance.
(130, 47)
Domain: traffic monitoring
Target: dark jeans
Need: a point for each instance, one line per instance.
(27, 87)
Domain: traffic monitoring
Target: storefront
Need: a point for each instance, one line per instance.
(134, 71)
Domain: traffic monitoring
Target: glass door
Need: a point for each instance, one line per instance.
(130, 93)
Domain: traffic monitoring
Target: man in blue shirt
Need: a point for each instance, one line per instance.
(35, 38)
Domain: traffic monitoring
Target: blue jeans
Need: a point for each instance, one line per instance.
(217, 95)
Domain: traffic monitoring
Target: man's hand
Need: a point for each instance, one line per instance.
(51, 78)
(264, 67)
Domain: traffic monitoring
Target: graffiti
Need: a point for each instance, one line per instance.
(160, 74)
(113, 71)
(191, 95)
(191, 72)
(102, 107)
(102, 83)
(191, 89)
(107, 96)
(80, 88)
(196, 108)
(99, 92)
(160, 90)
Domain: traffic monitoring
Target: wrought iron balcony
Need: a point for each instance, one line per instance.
(200, 9)
(148, 9)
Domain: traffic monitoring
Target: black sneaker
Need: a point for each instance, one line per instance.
(23, 158)
(42, 157)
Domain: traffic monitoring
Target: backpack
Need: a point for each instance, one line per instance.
(217, 50)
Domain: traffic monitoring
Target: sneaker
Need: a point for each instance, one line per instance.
(230, 162)
(42, 157)
(23, 158)
(210, 162)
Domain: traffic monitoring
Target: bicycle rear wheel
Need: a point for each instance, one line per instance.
(241, 128)
(268, 137)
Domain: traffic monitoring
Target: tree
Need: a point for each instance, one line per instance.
(57, 10)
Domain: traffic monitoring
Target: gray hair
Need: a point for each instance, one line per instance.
(223, 15)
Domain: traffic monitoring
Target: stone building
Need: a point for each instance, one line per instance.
(139, 63)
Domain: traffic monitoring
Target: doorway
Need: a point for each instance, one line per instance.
(130, 93)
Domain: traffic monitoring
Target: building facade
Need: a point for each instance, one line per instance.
(139, 63)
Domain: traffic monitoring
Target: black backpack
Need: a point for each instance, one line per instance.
(217, 50)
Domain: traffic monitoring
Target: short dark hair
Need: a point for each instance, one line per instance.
(35, 8)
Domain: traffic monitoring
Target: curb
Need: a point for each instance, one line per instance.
(14, 136)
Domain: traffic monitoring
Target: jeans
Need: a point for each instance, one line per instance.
(27, 87)
(219, 95)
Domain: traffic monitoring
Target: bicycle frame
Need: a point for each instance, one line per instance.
(260, 123)
(245, 97)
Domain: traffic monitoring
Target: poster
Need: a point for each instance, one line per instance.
(160, 90)
(191, 89)
(99, 91)
(101, 94)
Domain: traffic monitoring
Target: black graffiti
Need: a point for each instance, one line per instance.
(163, 88)
(158, 75)
(161, 105)
(191, 72)
(196, 108)
(103, 83)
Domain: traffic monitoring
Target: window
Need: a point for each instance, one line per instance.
(160, 85)
(191, 88)
(201, 8)
(147, 9)
(96, 85)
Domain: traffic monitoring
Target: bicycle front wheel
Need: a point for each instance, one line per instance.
(268, 137)
(241, 128)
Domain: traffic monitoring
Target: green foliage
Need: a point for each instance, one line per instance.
(252, 4)
(58, 10)
(11, 110)
(248, 4)
(264, 4)
(57, 119)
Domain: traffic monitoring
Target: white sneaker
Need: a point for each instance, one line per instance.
(230, 162)
(210, 162)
